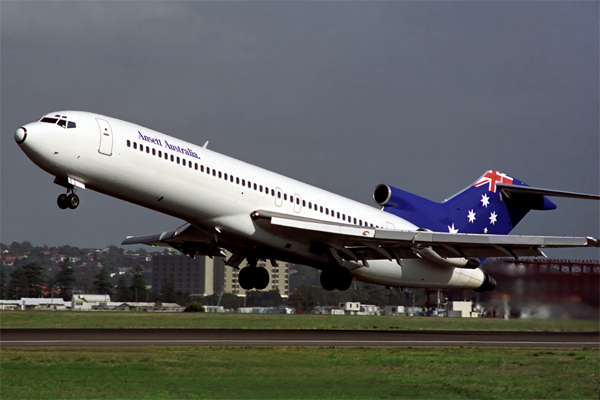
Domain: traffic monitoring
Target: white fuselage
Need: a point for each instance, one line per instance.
(216, 193)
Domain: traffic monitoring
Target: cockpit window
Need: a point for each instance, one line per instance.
(60, 122)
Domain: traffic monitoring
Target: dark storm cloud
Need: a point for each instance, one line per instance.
(423, 96)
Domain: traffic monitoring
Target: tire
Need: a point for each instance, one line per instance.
(246, 278)
(261, 278)
(73, 201)
(62, 201)
(328, 279)
(343, 279)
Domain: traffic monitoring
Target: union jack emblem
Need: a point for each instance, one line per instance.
(493, 177)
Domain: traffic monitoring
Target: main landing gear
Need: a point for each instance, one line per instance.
(66, 200)
(339, 278)
(253, 277)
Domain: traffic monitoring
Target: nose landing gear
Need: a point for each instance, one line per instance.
(65, 201)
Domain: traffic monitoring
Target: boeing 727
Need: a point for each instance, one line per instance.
(257, 214)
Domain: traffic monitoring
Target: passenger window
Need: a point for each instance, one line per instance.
(326, 211)
(338, 215)
(196, 166)
(141, 147)
(260, 188)
(135, 145)
(285, 196)
(129, 143)
(354, 221)
(225, 176)
(231, 178)
(243, 182)
(237, 180)
(183, 162)
(219, 174)
(321, 208)
(297, 200)
(309, 205)
(177, 160)
(291, 199)
(71, 124)
(208, 170)
(166, 156)
(214, 172)
(159, 154)
(201, 168)
(255, 186)
(172, 158)
(303, 203)
(147, 149)
(343, 217)
(272, 192)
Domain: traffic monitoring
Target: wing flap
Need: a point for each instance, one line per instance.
(371, 243)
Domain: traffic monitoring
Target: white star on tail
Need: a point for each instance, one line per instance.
(471, 216)
(485, 201)
(484, 230)
(452, 229)
(493, 217)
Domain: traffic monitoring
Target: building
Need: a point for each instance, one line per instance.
(204, 276)
(199, 275)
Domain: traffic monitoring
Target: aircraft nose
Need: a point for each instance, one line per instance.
(20, 135)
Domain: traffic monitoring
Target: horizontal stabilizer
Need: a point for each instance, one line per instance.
(544, 192)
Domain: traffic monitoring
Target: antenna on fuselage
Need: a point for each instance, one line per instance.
(205, 145)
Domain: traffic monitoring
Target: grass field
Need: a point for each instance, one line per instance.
(141, 320)
(305, 373)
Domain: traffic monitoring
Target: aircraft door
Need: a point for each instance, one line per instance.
(297, 203)
(278, 197)
(106, 137)
(390, 225)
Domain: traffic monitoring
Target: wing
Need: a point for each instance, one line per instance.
(187, 238)
(364, 243)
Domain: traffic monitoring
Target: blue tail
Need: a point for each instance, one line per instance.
(479, 208)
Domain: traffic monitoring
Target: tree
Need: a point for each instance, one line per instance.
(102, 284)
(51, 285)
(262, 298)
(65, 279)
(18, 285)
(123, 292)
(305, 298)
(3, 284)
(168, 291)
(138, 285)
(33, 272)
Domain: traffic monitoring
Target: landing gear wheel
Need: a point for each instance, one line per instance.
(343, 279)
(73, 201)
(62, 201)
(327, 278)
(246, 278)
(261, 278)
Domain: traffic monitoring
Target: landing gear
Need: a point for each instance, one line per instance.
(253, 277)
(65, 201)
(339, 278)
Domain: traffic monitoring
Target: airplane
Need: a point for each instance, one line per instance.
(243, 212)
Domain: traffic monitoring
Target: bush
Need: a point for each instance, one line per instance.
(194, 307)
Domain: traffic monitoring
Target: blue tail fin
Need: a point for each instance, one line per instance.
(479, 208)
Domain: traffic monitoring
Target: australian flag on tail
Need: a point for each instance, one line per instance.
(480, 208)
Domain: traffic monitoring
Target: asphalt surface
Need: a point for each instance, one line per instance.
(110, 338)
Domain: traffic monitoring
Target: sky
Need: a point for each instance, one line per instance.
(424, 96)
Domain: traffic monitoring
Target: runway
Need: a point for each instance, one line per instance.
(111, 338)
